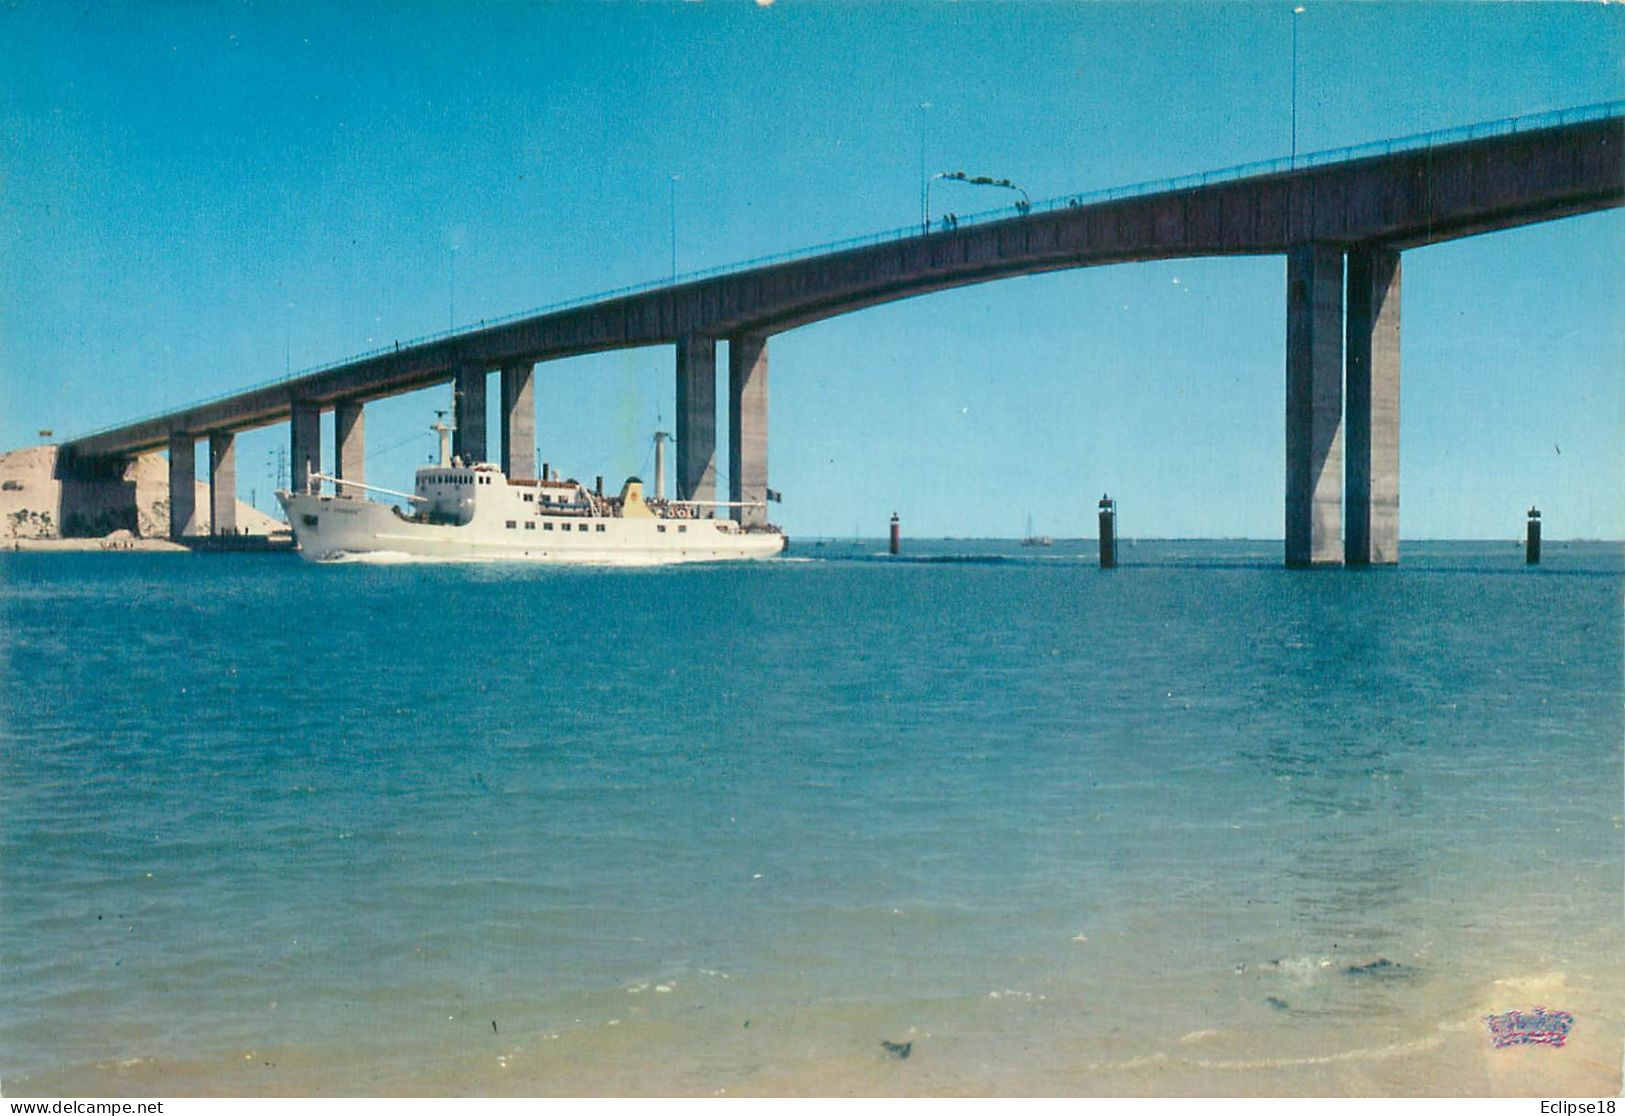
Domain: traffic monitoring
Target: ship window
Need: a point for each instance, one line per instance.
(661, 528)
(530, 498)
(600, 526)
(547, 526)
(512, 525)
(529, 526)
(581, 527)
(682, 529)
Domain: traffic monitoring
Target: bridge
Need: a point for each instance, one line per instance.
(1341, 218)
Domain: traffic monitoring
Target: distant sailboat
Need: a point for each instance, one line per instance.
(1035, 540)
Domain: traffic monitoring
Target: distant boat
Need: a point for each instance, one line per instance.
(1035, 540)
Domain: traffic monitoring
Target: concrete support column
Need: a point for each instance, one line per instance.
(1314, 406)
(747, 424)
(222, 484)
(304, 444)
(468, 410)
(182, 484)
(696, 418)
(350, 448)
(519, 420)
(1371, 493)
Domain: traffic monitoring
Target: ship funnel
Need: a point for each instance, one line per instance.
(632, 503)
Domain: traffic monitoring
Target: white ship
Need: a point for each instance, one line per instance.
(463, 512)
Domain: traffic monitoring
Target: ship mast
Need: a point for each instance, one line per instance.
(660, 464)
(441, 428)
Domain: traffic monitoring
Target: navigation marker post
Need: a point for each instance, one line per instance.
(1108, 532)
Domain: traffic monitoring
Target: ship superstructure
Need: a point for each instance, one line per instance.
(462, 511)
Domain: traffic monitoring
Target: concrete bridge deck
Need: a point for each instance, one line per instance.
(1365, 209)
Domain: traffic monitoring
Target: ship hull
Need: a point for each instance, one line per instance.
(330, 529)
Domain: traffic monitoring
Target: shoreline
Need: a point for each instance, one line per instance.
(109, 544)
(1445, 1055)
(126, 543)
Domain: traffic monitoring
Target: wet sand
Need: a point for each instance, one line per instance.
(708, 1052)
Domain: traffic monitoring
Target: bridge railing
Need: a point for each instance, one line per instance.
(1601, 110)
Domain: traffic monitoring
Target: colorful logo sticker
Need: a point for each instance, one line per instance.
(1539, 1027)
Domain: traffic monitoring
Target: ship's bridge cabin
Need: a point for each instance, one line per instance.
(447, 493)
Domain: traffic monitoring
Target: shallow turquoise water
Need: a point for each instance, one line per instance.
(270, 827)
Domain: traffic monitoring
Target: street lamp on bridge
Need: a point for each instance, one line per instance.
(1296, 12)
(673, 178)
(925, 186)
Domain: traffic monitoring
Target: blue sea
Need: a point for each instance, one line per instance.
(1196, 825)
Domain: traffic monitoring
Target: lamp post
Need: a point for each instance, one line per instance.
(1022, 206)
(451, 309)
(925, 185)
(1296, 12)
(674, 178)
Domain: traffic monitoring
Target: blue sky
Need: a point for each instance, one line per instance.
(197, 197)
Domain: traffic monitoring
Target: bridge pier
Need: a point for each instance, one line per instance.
(696, 417)
(1314, 405)
(222, 484)
(747, 424)
(182, 484)
(1371, 492)
(304, 444)
(468, 412)
(350, 448)
(519, 420)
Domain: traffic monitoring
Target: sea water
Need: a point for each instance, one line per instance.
(1195, 825)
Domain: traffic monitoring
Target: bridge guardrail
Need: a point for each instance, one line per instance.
(1600, 110)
